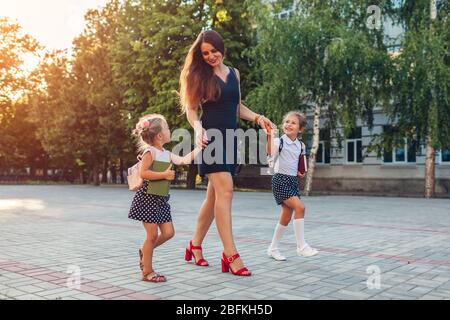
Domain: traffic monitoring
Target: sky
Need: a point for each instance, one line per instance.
(54, 23)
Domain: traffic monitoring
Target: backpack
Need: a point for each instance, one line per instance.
(134, 179)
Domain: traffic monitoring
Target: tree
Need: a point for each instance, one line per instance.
(233, 21)
(79, 107)
(50, 110)
(152, 41)
(322, 59)
(18, 147)
(420, 108)
(14, 46)
(154, 38)
(100, 112)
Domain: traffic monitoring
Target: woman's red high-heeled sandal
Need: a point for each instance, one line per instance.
(226, 266)
(190, 253)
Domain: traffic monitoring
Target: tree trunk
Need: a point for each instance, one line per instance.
(105, 171)
(430, 154)
(313, 152)
(45, 167)
(429, 169)
(113, 172)
(122, 178)
(32, 172)
(95, 174)
(81, 175)
(191, 176)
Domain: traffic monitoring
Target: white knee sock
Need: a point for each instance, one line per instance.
(299, 229)
(279, 229)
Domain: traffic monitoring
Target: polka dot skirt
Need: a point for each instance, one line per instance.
(150, 208)
(284, 187)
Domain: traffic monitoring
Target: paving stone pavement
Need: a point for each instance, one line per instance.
(51, 234)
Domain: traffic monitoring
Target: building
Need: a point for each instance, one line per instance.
(347, 167)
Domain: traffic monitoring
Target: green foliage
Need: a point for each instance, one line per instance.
(79, 109)
(153, 39)
(422, 74)
(322, 54)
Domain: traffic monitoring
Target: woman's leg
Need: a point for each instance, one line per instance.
(223, 187)
(204, 220)
(167, 232)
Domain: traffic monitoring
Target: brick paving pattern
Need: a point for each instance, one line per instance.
(48, 231)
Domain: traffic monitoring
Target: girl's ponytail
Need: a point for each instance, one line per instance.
(147, 129)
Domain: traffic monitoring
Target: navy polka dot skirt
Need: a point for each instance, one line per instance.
(284, 187)
(150, 208)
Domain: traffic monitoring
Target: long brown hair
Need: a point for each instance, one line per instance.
(197, 81)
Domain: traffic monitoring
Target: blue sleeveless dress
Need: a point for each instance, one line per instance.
(221, 115)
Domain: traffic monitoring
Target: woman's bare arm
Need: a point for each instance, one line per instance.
(247, 114)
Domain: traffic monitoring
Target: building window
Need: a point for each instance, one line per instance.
(445, 156)
(403, 154)
(323, 152)
(354, 146)
(319, 157)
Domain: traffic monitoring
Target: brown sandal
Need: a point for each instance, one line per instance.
(155, 277)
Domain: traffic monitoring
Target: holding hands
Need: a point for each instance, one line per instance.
(265, 123)
(201, 139)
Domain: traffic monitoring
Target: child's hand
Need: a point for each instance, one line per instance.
(301, 175)
(169, 173)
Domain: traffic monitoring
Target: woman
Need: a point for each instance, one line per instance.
(208, 83)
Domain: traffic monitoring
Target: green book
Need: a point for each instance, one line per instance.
(159, 187)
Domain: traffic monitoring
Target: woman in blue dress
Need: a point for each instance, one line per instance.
(207, 84)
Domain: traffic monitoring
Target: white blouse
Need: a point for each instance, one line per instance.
(286, 162)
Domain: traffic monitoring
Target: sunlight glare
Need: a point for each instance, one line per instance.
(25, 204)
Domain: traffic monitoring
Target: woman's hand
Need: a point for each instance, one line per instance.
(201, 139)
(266, 124)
